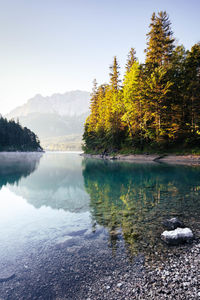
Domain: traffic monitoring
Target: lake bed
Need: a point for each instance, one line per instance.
(69, 223)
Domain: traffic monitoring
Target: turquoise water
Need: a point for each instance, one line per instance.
(132, 200)
(41, 194)
(63, 202)
(42, 199)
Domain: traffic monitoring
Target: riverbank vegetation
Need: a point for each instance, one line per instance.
(13, 137)
(156, 107)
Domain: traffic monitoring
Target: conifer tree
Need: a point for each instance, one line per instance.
(114, 75)
(160, 42)
(159, 52)
(94, 106)
(114, 106)
(13, 137)
(157, 88)
(193, 87)
(131, 59)
(131, 102)
(158, 105)
(178, 115)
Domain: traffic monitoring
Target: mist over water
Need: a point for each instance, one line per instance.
(82, 209)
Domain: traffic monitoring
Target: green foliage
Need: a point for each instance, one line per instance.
(158, 105)
(160, 43)
(15, 138)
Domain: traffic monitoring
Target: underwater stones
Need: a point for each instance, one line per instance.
(177, 236)
(173, 223)
(6, 275)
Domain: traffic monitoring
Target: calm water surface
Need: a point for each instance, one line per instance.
(61, 213)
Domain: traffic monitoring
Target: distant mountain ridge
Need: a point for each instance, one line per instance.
(70, 104)
(58, 120)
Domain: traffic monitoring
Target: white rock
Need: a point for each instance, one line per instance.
(177, 236)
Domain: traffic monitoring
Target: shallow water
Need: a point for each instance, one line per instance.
(61, 214)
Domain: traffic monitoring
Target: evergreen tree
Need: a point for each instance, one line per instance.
(132, 109)
(131, 59)
(177, 100)
(94, 106)
(114, 75)
(15, 138)
(114, 106)
(193, 88)
(159, 52)
(158, 105)
(160, 42)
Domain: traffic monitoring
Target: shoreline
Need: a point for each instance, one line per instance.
(116, 277)
(173, 278)
(152, 158)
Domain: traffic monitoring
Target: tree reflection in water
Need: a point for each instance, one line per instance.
(131, 200)
(16, 165)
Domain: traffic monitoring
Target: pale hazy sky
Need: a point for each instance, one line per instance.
(50, 46)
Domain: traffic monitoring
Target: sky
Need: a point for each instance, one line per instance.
(55, 46)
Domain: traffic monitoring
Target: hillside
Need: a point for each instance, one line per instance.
(57, 120)
(13, 137)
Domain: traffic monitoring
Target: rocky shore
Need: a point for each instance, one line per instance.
(88, 272)
(140, 158)
(177, 277)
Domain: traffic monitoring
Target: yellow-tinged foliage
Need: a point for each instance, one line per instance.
(158, 103)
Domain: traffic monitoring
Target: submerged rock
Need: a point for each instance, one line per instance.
(173, 223)
(177, 236)
(5, 276)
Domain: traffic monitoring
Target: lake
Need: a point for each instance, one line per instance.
(66, 221)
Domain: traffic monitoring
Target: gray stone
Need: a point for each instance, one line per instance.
(6, 275)
(177, 236)
(173, 223)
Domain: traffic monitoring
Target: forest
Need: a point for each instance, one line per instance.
(13, 137)
(156, 107)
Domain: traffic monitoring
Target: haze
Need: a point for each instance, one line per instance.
(57, 46)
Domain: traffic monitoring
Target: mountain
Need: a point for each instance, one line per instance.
(70, 103)
(56, 183)
(57, 120)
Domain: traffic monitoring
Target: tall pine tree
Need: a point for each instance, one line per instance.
(160, 41)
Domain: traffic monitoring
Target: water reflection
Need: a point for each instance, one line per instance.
(131, 200)
(57, 183)
(14, 166)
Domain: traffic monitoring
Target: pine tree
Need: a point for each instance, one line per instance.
(13, 137)
(131, 59)
(160, 43)
(131, 102)
(114, 106)
(94, 106)
(177, 96)
(159, 52)
(158, 105)
(193, 88)
(114, 75)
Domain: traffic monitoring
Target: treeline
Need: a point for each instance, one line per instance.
(13, 137)
(157, 105)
